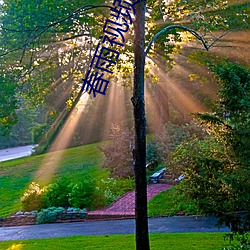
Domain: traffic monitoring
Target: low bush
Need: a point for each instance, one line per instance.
(81, 194)
(48, 215)
(123, 185)
(238, 241)
(33, 198)
(56, 194)
(76, 210)
(87, 193)
(103, 194)
(109, 189)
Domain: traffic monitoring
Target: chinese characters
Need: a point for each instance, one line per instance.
(106, 57)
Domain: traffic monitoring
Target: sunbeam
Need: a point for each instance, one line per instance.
(50, 163)
(170, 93)
(115, 109)
(169, 99)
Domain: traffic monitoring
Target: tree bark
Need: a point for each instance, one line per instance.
(139, 151)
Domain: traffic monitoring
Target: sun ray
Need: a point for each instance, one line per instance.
(115, 109)
(171, 93)
(55, 153)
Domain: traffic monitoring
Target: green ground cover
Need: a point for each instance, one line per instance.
(16, 175)
(169, 203)
(170, 241)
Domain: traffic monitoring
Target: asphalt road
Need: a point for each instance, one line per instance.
(156, 225)
(14, 153)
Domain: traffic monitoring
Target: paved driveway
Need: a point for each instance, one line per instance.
(156, 225)
(125, 205)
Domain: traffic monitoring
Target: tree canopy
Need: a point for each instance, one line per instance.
(49, 44)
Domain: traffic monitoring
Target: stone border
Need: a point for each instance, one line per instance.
(30, 219)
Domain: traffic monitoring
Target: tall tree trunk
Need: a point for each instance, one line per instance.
(139, 152)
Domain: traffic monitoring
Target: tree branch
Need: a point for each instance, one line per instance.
(72, 37)
(218, 38)
(74, 13)
(42, 29)
(78, 11)
(166, 29)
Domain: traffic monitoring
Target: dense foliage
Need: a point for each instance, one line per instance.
(45, 52)
(56, 194)
(48, 47)
(217, 168)
(90, 193)
(32, 199)
(8, 106)
(48, 215)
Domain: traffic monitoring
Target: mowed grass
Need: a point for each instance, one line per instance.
(169, 202)
(16, 175)
(170, 241)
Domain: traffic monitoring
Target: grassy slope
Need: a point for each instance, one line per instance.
(16, 175)
(169, 202)
(173, 241)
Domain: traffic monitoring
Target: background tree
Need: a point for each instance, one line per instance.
(165, 142)
(8, 105)
(118, 155)
(47, 49)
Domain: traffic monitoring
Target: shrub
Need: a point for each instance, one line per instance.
(38, 131)
(81, 194)
(243, 242)
(57, 193)
(109, 189)
(208, 179)
(152, 156)
(33, 197)
(123, 185)
(103, 194)
(48, 215)
(73, 209)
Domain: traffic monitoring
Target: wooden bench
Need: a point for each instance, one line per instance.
(155, 177)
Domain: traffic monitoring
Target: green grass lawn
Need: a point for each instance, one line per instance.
(171, 241)
(16, 175)
(169, 203)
